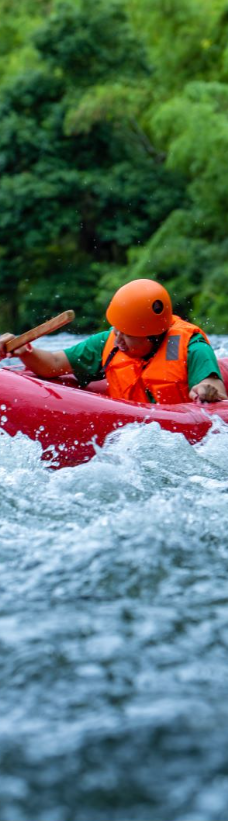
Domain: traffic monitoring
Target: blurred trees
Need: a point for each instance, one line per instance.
(188, 121)
(113, 156)
(80, 181)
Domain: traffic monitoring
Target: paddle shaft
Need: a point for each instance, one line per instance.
(40, 330)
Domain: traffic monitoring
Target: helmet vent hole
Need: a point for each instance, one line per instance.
(157, 306)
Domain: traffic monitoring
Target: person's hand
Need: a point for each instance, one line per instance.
(3, 339)
(209, 390)
(18, 352)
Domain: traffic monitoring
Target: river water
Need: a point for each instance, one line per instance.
(114, 630)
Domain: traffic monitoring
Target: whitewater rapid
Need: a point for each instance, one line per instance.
(114, 629)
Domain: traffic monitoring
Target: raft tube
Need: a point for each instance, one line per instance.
(67, 420)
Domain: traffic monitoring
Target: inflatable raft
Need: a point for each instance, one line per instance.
(67, 420)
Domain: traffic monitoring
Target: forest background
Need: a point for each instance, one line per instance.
(113, 156)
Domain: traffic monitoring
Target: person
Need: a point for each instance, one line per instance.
(148, 355)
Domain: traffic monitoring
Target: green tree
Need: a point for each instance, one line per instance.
(81, 181)
(187, 120)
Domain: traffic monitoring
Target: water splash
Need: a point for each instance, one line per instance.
(113, 629)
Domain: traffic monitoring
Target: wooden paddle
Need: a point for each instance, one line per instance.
(40, 330)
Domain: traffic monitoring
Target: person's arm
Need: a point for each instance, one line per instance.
(83, 359)
(204, 377)
(43, 363)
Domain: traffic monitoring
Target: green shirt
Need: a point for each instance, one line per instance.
(85, 359)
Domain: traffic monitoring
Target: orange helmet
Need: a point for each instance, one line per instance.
(140, 308)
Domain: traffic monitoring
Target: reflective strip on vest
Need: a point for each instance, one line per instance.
(172, 348)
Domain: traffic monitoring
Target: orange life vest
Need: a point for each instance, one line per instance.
(164, 375)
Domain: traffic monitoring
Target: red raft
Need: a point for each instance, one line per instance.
(67, 420)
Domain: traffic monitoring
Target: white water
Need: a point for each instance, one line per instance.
(114, 629)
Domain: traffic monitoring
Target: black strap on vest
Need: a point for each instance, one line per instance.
(110, 357)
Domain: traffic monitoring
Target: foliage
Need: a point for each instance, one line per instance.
(113, 152)
(80, 182)
(188, 121)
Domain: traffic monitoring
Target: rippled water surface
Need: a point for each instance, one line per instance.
(114, 630)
